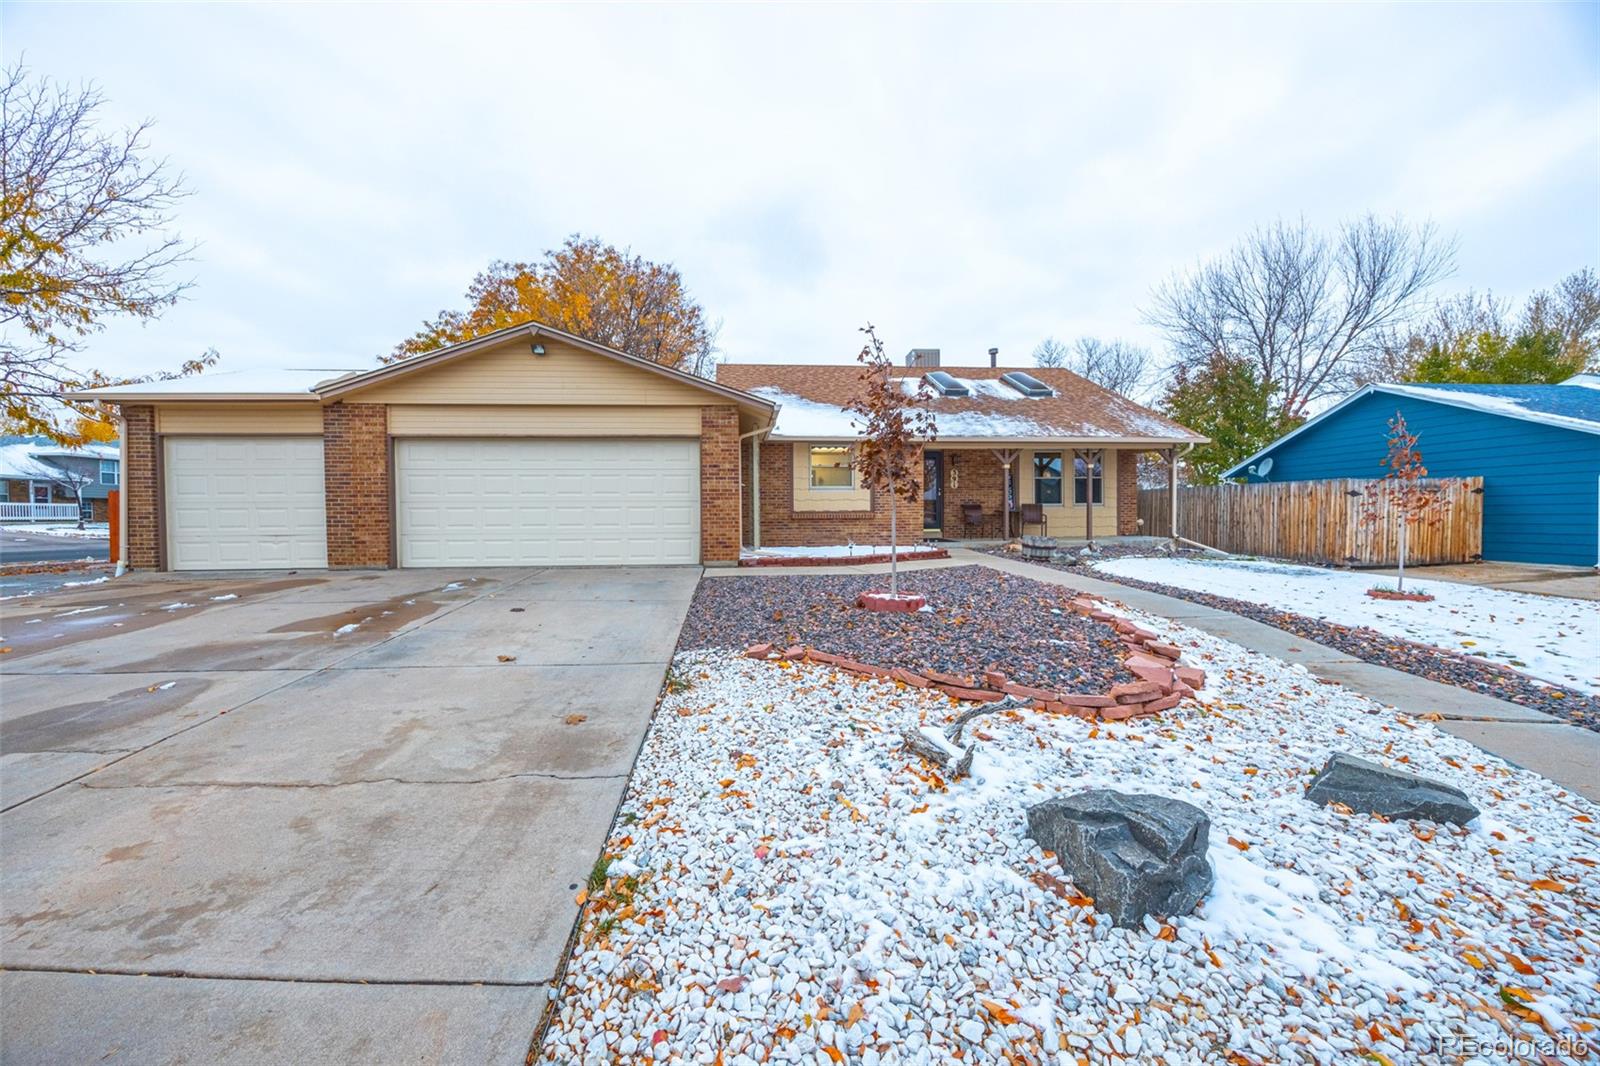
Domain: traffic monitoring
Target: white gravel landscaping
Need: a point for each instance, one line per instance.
(1550, 638)
(787, 886)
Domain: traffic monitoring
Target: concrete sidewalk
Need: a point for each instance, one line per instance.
(1566, 754)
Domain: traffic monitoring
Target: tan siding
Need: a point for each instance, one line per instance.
(1067, 519)
(807, 498)
(243, 418)
(511, 374)
(539, 420)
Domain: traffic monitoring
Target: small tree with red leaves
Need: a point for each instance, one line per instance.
(895, 422)
(1400, 492)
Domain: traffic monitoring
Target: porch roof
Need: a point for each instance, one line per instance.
(811, 399)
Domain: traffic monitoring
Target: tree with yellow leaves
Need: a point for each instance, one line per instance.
(588, 288)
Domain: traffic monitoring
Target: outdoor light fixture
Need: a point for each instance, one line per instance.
(538, 349)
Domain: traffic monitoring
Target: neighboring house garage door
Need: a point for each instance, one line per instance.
(244, 503)
(571, 502)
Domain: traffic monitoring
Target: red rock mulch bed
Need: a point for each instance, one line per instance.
(988, 635)
(841, 560)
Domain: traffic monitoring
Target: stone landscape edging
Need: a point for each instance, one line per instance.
(843, 560)
(1163, 681)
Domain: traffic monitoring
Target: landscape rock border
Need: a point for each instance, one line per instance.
(915, 555)
(1163, 680)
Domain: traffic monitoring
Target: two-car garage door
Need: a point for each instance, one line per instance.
(546, 502)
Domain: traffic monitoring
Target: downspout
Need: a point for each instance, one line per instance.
(122, 495)
(755, 487)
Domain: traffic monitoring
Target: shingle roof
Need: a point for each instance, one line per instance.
(812, 397)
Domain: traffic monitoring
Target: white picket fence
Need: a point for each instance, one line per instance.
(38, 512)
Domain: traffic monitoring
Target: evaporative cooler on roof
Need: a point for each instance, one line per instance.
(947, 385)
(1026, 384)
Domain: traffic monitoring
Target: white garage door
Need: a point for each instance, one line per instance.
(518, 502)
(244, 503)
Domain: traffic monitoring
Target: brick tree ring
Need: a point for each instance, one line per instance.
(883, 601)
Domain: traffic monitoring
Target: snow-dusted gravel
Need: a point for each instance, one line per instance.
(1551, 638)
(799, 891)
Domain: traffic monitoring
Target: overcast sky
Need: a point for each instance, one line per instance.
(962, 176)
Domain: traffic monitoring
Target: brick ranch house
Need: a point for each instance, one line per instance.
(1004, 438)
(533, 447)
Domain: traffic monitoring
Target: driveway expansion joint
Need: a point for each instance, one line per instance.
(361, 781)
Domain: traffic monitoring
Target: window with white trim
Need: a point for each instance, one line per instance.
(831, 467)
(1047, 478)
(108, 471)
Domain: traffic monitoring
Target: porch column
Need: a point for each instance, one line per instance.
(1089, 459)
(1006, 459)
(1172, 491)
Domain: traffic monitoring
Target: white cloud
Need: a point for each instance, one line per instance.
(964, 176)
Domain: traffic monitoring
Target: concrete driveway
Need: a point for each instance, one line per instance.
(317, 810)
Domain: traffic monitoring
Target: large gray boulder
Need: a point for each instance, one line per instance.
(1135, 855)
(1372, 789)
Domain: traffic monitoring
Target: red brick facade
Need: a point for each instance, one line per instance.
(974, 476)
(719, 484)
(355, 457)
(783, 527)
(1127, 493)
(141, 485)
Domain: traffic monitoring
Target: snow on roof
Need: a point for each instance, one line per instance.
(1568, 405)
(812, 399)
(22, 458)
(806, 419)
(256, 381)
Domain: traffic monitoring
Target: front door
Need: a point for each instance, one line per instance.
(932, 490)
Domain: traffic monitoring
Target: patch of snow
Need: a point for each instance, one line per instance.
(1551, 638)
(82, 610)
(180, 605)
(90, 530)
(92, 581)
(349, 627)
(225, 596)
(804, 419)
(1499, 405)
(452, 587)
(165, 686)
(284, 381)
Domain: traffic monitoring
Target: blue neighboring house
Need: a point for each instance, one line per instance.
(1537, 448)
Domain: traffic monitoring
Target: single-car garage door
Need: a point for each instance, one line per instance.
(570, 502)
(244, 503)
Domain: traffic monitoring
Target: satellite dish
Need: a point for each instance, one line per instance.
(1264, 467)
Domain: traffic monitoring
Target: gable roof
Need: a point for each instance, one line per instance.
(811, 399)
(324, 384)
(23, 457)
(1573, 404)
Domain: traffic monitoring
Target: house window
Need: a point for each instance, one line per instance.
(830, 468)
(86, 510)
(108, 471)
(1047, 478)
(41, 493)
(1085, 480)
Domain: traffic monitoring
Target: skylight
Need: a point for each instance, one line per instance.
(1026, 383)
(947, 385)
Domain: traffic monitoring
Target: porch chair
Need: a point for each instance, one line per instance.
(1033, 515)
(973, 518)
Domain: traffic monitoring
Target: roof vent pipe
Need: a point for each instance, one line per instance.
(994, 356)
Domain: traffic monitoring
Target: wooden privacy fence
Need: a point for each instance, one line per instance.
(1320, 521)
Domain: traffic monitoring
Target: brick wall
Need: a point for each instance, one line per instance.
(1127, 493)
(979, 479)
(719, 484)
(784, 527)
(141, 488)
(355, 442)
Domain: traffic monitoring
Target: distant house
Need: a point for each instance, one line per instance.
(1537, 448)
(41, 480)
